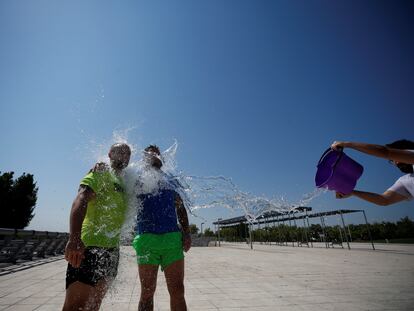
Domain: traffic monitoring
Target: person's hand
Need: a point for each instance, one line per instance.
(338, 145)
(100, 167)
(342, 196)
(186, 242)
(74, 252)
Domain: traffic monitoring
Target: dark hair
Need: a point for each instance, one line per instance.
(402, 144)
(154, 148)
(121, 146)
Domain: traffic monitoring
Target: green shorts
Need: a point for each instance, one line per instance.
(158, 249)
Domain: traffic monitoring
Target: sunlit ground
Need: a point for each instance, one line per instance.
(233, 277)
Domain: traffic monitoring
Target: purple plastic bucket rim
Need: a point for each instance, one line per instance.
(341, 153)
(335, 162)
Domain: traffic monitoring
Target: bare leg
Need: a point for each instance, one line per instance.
(81, 296)
(148, 279)
(174, 275)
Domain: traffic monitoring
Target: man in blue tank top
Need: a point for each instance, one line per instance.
(159, 240)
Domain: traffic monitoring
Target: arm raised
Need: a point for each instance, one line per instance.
(396, 155)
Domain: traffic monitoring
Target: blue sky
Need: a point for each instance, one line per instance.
(252, 90)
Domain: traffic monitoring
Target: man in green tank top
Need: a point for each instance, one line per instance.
(97, 215)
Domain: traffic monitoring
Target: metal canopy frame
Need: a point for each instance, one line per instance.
(292, 215)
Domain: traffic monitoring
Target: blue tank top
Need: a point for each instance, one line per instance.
(158, 212)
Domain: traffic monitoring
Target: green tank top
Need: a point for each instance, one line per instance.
(106, 212)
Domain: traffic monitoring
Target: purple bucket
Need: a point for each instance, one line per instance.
(338, 172)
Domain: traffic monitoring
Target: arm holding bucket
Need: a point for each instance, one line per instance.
(385, 199)
(397, 155)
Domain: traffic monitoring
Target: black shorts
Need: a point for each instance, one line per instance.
(99, 263)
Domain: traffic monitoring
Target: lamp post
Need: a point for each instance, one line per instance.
(218, 230)
(201, 231)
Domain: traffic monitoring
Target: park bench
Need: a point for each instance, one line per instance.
(10, 251)
(18, 245)
(26, 251)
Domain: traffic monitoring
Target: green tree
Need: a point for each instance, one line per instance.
(17, 200)
(405, 228)
(315, 232)
(208, 233)
(390, 230)
(193, 229)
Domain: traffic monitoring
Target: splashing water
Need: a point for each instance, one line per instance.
(219, 191)
(168, 159)
(197, 192)
(202, 192)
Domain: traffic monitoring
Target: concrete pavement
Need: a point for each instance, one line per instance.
(233, 277)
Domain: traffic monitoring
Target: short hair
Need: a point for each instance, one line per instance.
(402, 144)
(121, 146)
(154, 148)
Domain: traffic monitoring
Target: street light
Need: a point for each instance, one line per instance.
(201, 231)
(218, 231)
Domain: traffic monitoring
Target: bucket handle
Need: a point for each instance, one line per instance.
(323, 155)
(341, 152)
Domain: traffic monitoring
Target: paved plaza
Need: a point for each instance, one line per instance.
(233, 277)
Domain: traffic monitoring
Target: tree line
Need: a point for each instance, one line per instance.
(17, 200)
(402, 229)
